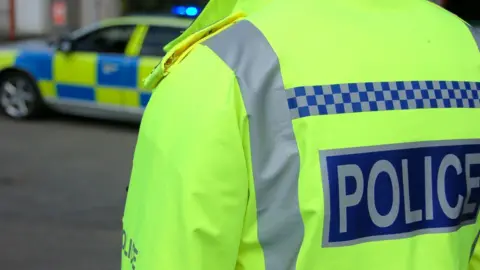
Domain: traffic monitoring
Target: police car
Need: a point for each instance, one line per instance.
(96, 71)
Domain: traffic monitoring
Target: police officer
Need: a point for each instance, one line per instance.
(310, 134)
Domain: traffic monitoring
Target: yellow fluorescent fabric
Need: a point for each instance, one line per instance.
(385, 47)
(214, 11)
(185, 208)
(182, 48)
(217, 10)
(416, 252)
(475, 260)
(193, 202)
(145, 66)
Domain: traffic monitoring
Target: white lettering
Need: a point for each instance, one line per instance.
(449, 168)
(388, 219)
(449, 160)
(410, 216)
(428, 189)
(472, 182)
(346, 201)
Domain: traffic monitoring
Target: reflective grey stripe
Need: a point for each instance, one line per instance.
(275, 159)
(472, 250)
(476, 34)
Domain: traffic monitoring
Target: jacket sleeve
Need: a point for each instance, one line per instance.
(189, 184)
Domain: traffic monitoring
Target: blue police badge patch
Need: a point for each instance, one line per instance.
(398, 191)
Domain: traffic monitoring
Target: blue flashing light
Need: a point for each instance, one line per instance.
(179, 10)
(192, 11)
(186, 11)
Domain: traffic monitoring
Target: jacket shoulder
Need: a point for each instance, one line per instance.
(181, 50)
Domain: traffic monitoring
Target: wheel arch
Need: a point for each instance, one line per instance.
(14, 69)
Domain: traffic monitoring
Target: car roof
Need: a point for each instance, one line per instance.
(160, 20)
(156, 20)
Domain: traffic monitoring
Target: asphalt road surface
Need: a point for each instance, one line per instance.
(62, 191)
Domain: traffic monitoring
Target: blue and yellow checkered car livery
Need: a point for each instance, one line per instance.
(92, 79)
(89, 81)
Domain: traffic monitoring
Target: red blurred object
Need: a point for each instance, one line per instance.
(59, 13)
(11, 11)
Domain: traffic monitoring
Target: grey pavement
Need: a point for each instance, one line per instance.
(62, 191)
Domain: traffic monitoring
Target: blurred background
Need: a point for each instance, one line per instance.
(37, 18)
(20, 19)
(71, 95)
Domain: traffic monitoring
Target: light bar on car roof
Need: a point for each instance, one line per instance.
(186, 11)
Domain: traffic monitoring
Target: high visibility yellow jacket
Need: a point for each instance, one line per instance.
(308, 135)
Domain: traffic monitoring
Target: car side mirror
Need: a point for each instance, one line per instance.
(65, 45)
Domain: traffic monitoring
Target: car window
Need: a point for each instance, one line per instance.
(156, 38)
(106, 40)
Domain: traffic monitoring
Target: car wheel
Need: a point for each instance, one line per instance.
(19, 96)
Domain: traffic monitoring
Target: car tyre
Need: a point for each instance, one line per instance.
(19, 96)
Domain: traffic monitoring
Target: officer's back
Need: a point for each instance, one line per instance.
(381, 96)
(361, 120)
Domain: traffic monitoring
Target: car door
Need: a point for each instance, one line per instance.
(151, 53)
(96, 71)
